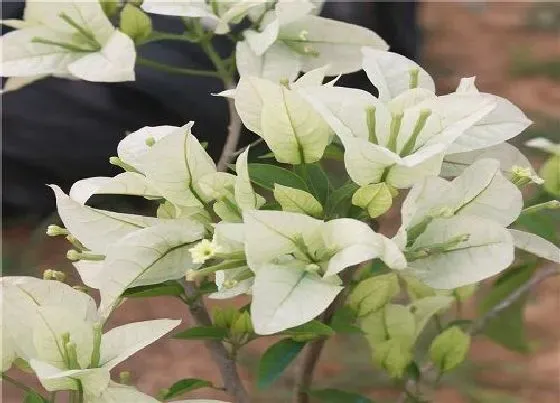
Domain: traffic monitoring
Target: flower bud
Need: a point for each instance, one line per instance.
(55, 230)
(125, 377)
(54, 275)
(150, 141)
(73, 255)
(521, 176)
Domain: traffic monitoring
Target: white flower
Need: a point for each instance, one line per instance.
(70, 38)
(57, 330)
(453, 233)
(289, 39)
(203, 251)
(402, 136)
(296, 260)
(215, 14)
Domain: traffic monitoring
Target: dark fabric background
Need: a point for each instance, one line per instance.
(60, 131)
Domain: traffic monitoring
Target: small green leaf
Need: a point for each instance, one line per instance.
(224, 316)
(417, 289)
(202, 333)
(135, 23)
(110, 7)
(375, 198)
(450, 348)
(344, 321)
(550, 172)
(184, 386)
(297, 201)
(266, 175)
(207, 286)
(309, 331)
(31, 397)
(171, 288)
(338, 396)
(334, 152)
(275, 360)
(340, 200)
(242, 324)
(316, 180)
(373, 293)
(393, 356)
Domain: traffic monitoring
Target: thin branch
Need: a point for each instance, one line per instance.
(234, 133)
(227, 366)
(538, 278)
(312, 352)
(242, 149)
(177, 70)
(479, 324)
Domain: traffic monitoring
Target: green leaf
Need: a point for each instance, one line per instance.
(344, 321)
(393, 356)
(316, 180)
(550, 172)
(171, 288)
(339, 201)
(135, 23)
(309, 331)
(507, 329)
(184, 386)
(242, 324)
(543, 224)
(338, 396)
(373, 293)
(334, 152)
(266, 175)
(110, 7)
(31, 397)
(275, 360)
(297, 201)
(375, 198)
(450, 348)
(202, 333)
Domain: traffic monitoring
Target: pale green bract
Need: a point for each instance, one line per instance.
(72, 38)
(48, 319)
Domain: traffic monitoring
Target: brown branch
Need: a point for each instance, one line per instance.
(234, 132)
(479, 324)
(312, 352)
(227, 366)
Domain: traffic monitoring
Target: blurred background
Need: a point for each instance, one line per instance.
(60, 131)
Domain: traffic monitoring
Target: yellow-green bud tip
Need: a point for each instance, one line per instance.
(115, 161)
(312, 268)
(50, 274)
(150, 141)
(230, 283)
(55, 230)
(73, 255)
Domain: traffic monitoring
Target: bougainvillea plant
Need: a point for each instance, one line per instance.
(298, 235)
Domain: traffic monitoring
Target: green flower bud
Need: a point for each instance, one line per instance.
(55, 230)
(49, 274)
(150, 141)
(125, 377)
(73, 255)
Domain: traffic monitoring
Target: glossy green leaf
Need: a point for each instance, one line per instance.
(184, 386)
(266, 175)
(340, 200)
(202, 333)
(316, 179)
(275, 360)
(338, 396)
(171, 288)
